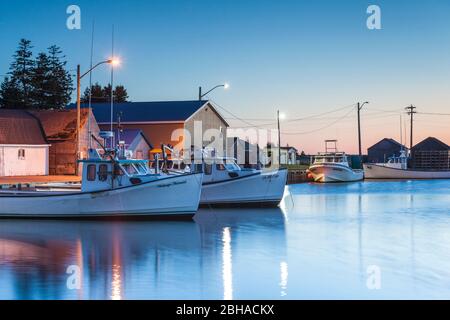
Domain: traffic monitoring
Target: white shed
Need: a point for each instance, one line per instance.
(24, 151)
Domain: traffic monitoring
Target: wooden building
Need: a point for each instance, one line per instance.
(430, 154)
(384, 149)
(60, 131)
(164, 122)
(136, 144)
(24, 151)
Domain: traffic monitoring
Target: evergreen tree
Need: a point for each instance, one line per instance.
(16, 90)
(97, 94)
(41, 80)
(120, 94)
(10, 93)
(44, 83)
(60, 82)
(103, 95)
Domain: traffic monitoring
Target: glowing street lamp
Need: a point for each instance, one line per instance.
(201, 95)
(113, 62)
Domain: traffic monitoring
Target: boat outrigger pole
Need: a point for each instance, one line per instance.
(109, 154)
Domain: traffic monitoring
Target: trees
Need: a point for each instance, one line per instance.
(16, 89)
(43, 83)
(60, 82)
(103, 94)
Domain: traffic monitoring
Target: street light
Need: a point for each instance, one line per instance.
(202, 95)
(359, 107)
(112, 61)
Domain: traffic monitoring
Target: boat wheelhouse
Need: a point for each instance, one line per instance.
(333, 166)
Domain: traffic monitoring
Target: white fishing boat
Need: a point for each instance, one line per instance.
(333, 166)
(110, 187)
(225, 183)
(397, 168)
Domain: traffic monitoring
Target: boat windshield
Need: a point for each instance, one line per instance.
(228, 164)
(130, 169)
(141, 168)
(329, 159)
(232, 166)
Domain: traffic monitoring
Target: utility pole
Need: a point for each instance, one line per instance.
(78, 118)
(359, 107)
(200, 95)
(279, 138)
(411, 110)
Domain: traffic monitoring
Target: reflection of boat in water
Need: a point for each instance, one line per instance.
(397, 168)
(332, 166)
(110, 187)
(136, 259)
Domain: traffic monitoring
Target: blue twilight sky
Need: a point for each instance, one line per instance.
(302, 57)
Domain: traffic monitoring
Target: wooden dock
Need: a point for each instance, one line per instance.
(39, 180)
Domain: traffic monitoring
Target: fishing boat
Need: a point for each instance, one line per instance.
(225, 183)
(110, 187)
(397, 168)
(333, 166)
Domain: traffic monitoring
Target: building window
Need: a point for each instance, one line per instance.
(103, 172)
(21, 154)
(91, 172)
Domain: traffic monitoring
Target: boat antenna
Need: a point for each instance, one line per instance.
(90, 87)
(112, 88)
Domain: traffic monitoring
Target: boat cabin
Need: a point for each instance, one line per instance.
(102, 174)
(220, 169)
(331, 158)
(400, 162)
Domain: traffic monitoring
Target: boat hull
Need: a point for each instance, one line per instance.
(171, 196)
(335, 173)
(259, 189)
(373, 171)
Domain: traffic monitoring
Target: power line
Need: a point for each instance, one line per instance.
(322, 128)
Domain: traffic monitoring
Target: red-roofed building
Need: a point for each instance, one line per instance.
(24, 150)
(60, 131)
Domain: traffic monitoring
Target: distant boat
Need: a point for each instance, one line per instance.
(110, 187)
(397, 168)
(332, 166)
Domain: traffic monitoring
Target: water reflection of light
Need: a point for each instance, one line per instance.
(284, 278)
(227, 271)
(80, 263)
(116, 283)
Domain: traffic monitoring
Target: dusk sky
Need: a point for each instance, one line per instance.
(302, 57)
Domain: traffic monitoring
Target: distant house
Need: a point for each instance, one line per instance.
(381, 151)
(60, 130)
(160, 121)
(288, 155)
(135, 142)
(24, 151)
(430, 154)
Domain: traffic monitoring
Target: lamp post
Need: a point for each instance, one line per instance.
(201, 95)
(359, 107)
(79, 77)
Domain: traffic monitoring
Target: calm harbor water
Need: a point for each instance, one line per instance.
(320, 244)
